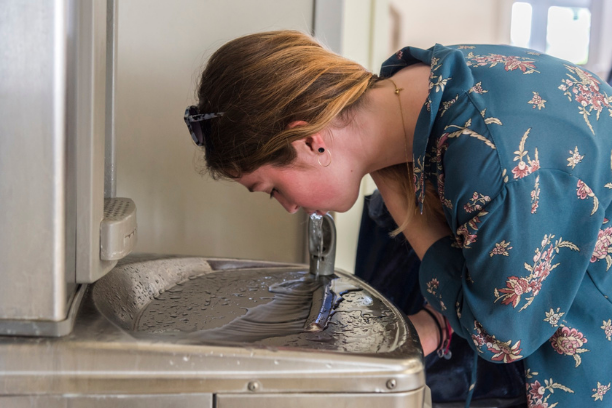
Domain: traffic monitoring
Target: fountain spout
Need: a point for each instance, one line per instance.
(322, 244)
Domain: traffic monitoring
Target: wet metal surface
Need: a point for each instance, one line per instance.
(272, 308)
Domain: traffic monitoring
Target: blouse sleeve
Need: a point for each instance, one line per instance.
(509, 277)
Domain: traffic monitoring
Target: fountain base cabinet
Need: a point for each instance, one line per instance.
(197, 332)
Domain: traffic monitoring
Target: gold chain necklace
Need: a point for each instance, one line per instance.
(399, 99)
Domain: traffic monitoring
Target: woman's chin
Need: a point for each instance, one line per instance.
(339, 207)
(345, 207)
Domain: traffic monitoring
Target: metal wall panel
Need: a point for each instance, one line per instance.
(87, 131)
(410, 399)
(110, 401)
(33, 283)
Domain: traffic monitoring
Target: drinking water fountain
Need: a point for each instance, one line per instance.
(322, 244)
(83, 324)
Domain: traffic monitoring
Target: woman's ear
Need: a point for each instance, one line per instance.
(314, 144)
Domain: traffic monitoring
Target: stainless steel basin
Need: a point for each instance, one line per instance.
(236, 333)
(196, 301)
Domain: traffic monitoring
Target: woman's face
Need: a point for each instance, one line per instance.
(303, 185)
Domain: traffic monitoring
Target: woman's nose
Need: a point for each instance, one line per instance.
(290, 208)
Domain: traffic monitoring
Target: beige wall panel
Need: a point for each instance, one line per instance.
(356, 45)
(447, 22)
(162, 47)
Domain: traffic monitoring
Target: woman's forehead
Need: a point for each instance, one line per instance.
(267, 174)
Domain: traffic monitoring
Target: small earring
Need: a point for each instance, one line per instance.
(321, 150)
(330, 157)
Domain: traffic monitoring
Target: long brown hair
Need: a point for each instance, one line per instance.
(263, 82)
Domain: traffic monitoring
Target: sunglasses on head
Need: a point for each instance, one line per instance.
(198, 123)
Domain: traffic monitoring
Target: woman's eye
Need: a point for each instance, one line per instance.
(272, 193)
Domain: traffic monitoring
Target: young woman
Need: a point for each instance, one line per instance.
(495, 161)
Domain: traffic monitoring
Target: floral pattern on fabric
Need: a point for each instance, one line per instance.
(437, 82)
(600, 391)
(537, 101)
(538, 394)
(535, 196)
(478, 89)
(465, 130)
(490, 120)
(501, 248)
(607, 328)
(441, 146)
(468, 232)
(523, 168)
(542, 266)
(505, 175)
(575, 158)
(569, 342)
(553, 317)
(584, 192)
(446, 105)
(476, 202)
(603, 247)
(444, 201)
(511, 63)
(432, 286)
(502, 351)
(585, 89)
(440, 83)
(419, 180)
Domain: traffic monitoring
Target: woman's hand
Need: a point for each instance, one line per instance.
(428, 330)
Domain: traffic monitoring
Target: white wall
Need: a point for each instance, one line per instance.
(352, 29)
(452, 22)
(357, 36)
(162, 46)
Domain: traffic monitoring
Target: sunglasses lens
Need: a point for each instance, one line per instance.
(195, 128)
(196, 133)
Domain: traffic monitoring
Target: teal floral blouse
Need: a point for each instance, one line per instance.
(519, 147)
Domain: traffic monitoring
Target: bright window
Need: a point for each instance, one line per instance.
(568, 32)
(561, 28)
(520, 30)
